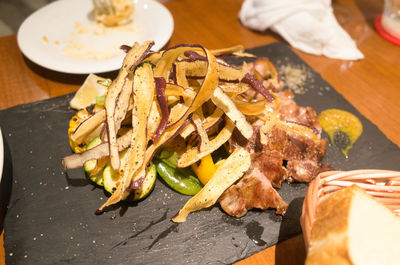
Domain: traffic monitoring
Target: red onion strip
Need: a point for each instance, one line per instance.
(192, 55)
(258, 86)
(162, 101)
(125, 48)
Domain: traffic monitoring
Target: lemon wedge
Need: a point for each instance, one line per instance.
(87, 93)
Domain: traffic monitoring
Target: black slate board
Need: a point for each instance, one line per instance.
(51, 220)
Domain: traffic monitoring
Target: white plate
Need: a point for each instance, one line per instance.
(44, 37)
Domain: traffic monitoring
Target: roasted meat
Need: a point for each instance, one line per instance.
(301, 154)
(287, 155)
(291, 112)
(254, 190)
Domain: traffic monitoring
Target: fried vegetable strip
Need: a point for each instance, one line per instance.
(299, 129)
(234, 89)
(162, 102)
(88, 125)
(180, 75)
(177, 91)
(229, 50)
(227, 174)
(164, 66)
(176, 113)
(206, 90)
(249, 108)
(222, 101)
(132, 59)
(197, 69)
(203, 137)
(143, 94)
(123, 102)
(153, 120)
(78, 159)
(193, 155)
(208, 123)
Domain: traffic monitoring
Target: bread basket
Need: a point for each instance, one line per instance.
(384, 185)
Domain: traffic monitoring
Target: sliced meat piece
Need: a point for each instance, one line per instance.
(287, 155)
(268, 161)
(302, 170)
(250, 145)
(291, 112)
(302, 154)
(270, 164)
(254, 190)
(279, 141)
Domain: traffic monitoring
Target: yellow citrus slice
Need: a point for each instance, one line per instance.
(87, 93)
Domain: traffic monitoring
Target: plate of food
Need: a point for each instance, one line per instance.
(70, 36)
(187, 183)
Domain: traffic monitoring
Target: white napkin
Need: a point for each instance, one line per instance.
(308, 25)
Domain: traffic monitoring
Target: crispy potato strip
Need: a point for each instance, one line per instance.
(206, 90)
(153, 120)
(193, 155)
(197, 69)
(222, 101)
(231, 170)
(143, 94)
(133, 58)
(234, 89)
(176, 112)
(180, 91)
(164, 66)
(298, 129)
(123, 102)
(228, 50)
(180, 75)
(208, 123)
(203, 137)
(88, 126)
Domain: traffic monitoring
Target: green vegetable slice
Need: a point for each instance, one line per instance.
(182, 180)
(111, 178)
(148, 183)
(94, 168)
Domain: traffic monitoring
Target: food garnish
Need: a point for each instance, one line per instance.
(342, 127)
(87, 93)
(179, 111)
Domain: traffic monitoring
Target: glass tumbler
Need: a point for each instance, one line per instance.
(391, 17)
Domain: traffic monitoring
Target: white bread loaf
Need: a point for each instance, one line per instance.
(352, 227)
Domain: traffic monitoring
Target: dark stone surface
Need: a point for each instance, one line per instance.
(51, 220)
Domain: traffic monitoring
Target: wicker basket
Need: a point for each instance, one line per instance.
(384, 185)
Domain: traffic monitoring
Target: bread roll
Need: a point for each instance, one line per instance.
(352, 227)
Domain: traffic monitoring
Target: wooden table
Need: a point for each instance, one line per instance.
(372, 85)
